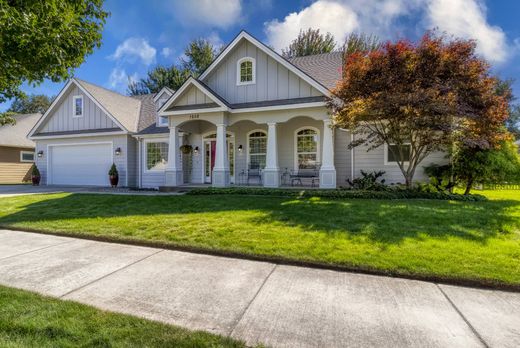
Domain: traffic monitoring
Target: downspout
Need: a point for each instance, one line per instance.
(351, 156)
(139, 170)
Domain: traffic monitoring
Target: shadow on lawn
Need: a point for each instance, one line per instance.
(384, 221)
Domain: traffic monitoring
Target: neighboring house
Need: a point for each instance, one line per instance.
(16, 151)
(250, 108)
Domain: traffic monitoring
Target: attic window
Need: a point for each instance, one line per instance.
(246, 71)
(77, 106)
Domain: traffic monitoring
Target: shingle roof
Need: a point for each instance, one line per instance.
(125, 110)
(325, 68)
(16, 135)
(148, 116)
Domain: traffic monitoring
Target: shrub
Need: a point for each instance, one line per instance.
(394, 193)
(35, 171)
(113, 170)
(369, 181)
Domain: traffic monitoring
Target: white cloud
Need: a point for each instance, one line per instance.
(166, 52)
(119, 79)
(467, 19)
(328, 16)
(384, 18)
(215, 40)
(212, 13)
(134, 49)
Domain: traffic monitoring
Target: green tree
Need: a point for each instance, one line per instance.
(34, 103)
(45, 40)
(356, 42)
(513, 122)
(199, 55)
(310, 42)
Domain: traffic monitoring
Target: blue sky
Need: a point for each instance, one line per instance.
(142, 34)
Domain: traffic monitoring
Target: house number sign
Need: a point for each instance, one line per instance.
(192, 116)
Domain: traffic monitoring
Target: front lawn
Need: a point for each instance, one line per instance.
(31, 320)
(476, 241)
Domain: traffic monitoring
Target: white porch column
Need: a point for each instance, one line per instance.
(173, 170)
(221, 169)
(271, 170)
(327, 170)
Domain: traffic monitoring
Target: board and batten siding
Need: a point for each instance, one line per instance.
(62, 120)
(193, 96)
(120, 161)
(273, 80)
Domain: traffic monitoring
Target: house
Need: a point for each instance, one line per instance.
(250, 109)
(16, 151)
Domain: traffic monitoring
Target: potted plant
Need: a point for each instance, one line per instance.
(35, 175)
(186, 149)
(113, 175)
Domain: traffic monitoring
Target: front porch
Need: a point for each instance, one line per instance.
(221, 152)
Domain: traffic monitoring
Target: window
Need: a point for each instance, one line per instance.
(26, 156)
(307, 154)
(156, 155)
(163, 121)
(393, 152)
(246, 71)
(77, 107)
(257, 147)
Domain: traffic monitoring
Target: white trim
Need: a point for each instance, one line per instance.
(269, 52)
(74, 98)
(190, 81)
(239, 71)
(295, 150)
(385, 149)
(194, 111)
(145, 154)
(163, 90)
(79, 135)
(203, 153)
(248, 158)
(22, 152)
(49, 154)
(139, 163)
(160, 124)
(58, 99)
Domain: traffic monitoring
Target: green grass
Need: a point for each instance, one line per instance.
(31, 320)
(473, 241)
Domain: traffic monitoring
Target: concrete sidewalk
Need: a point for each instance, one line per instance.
(259, 302)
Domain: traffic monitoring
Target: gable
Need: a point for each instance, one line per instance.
(274, 81)
(61, 117)
(193, 96)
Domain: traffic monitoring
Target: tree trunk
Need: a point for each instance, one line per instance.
(408, 182)
(469, 184)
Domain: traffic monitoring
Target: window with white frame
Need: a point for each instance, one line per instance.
(307, 155)
(395, 153)
(156, 155)
(257, 148)
(26, 156)
(163, 121)
(77, 106)
(246, 71)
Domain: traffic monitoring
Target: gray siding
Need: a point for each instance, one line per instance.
(132, 159)
(273, 80)
(62, 119)
(342, 157)
(121, 161)
(193, 96)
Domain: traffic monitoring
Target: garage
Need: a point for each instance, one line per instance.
(82, 164)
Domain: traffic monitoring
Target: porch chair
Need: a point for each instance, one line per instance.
(306, 171)
(254, 171)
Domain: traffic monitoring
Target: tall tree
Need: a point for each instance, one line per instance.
(310, 42)
(356, 42)
(45, 40)
(505, 88)
(199, 55)
(418, 98)
(34, 103)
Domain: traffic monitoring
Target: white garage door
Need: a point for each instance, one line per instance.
(80, 164)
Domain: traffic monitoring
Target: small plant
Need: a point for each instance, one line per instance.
(440, 177)
(369, 181)
(35, 171)
(113, 175)
(35, 175)
(186, 149)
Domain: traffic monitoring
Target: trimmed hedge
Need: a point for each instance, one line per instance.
(336, 193)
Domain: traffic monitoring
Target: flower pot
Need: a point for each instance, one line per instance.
(35, 180)
(114, 180)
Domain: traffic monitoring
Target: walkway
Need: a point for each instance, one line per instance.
(280, 306)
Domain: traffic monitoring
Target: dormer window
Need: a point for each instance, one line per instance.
(246, 71)
(77, 106)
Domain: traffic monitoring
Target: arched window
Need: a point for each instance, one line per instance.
(246, 71)
(257, 147)
(307, 152)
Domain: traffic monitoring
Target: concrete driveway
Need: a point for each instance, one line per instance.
(259, 302)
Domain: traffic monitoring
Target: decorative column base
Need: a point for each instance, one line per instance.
(173, 178)
(271, 177)
(220, 178)
(328, 178)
